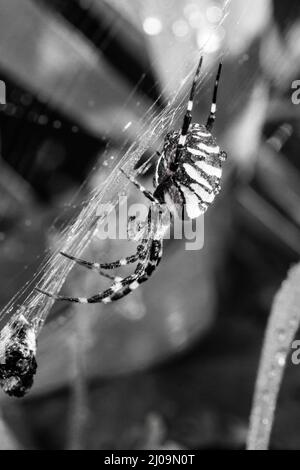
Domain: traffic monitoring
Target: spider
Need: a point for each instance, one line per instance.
(187, 177)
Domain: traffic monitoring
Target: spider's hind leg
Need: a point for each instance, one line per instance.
(112, 265)
(135, 228)
(149, 253)
(130, 283)
(121, 287)
(86, 264)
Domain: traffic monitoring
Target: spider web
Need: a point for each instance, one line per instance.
(79, 232)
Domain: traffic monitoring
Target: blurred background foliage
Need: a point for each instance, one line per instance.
(174, 364)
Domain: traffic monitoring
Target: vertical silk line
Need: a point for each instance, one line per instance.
(281, 329)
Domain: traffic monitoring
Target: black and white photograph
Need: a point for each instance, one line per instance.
(149, 227)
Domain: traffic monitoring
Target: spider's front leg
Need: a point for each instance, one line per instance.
(141, 188)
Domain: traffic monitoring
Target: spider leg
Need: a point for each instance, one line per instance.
(135, 228)
(212, 116)
(124, 261)
(113, 265)
(115, 292)
(86, 264)
(133, 282)
(149, 260)
(223, 156)
(123, 287)
(147, 164)
(142, 273)
(141, 188)
(188, 114)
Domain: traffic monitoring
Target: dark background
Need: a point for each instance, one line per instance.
(173, 365)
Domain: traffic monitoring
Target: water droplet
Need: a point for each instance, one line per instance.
(273, 372)
(127, 125)
(209, 41)
(214, 14)
(57, 124)
(42, 119)
(194, 15)
(280, 358)
(11, 109)
(243, 58)
(281, 335)
(152, 26)
(26, 99)
(293, 322)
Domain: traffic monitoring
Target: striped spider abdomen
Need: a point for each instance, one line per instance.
(194, 181)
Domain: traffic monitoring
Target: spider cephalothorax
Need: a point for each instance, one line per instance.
(187, 176)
